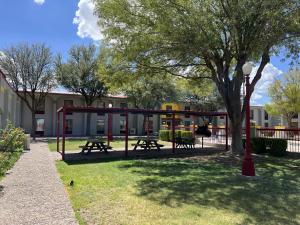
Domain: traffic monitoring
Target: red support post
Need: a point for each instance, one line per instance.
(64, 134)
(194, 126)
(126, 135)
(226, 132)
(57, 131)
(173, 132)
(109, 129)
(248, 165)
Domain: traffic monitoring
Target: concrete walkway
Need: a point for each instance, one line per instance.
(32, 192)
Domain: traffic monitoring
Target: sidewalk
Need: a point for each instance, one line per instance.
(32, 193)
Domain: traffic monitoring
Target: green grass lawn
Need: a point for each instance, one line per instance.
(7, 160)
(72, 144)
(197, 190)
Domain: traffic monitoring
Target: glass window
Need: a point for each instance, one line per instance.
(69, 126)
(251, 114)
(168, 107)
(149, 126)
(40, 123)
(266, 116)
(187, 108)
(41, 108)
(68, 103)
(100, 126)
(122, 126)
(123, 105)
(295, 116)
(266, 124)
(101, 105)
(40, 126)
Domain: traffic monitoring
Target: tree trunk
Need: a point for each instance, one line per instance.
(88, 124)
(33, 125)
(236, 132)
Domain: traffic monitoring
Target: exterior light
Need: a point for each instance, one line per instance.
(109, 105)
(247, 68)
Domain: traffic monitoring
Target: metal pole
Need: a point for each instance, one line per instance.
(248, 165)
(194, 126)
(64, 134)
(108, 129)
(126, 135)
(57, 131)
(226, 132)
(173, 133)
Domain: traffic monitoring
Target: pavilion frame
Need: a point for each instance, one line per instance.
(72, 109)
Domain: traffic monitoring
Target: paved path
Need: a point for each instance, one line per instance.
(32, 192)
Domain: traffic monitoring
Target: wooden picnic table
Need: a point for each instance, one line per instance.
(186, 143)
(147, 144)
(94, 144)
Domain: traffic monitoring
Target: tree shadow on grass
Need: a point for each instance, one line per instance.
(272, 198)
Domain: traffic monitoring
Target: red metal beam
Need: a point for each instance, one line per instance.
(126, 135)
(173, 133)
(57, 131)
(64, 135)
(137, 111)
(226, 132)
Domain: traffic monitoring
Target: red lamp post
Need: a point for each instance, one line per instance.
(109, 133)
(248, 165)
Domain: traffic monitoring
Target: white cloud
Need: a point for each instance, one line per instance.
(39, 2)
(269, 74)
(87, 21)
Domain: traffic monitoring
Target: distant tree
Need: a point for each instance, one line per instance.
(207, 38)
(202, 94)
(29, 70)
(79, 75)
(285, 96)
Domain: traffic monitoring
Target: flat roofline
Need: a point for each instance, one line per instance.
(69, 109)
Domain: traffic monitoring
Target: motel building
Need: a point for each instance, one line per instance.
(12, 108)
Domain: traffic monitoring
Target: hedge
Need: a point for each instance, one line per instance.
(167, 135)
(272, 146)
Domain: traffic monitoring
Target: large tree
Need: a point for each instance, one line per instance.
(203, 38)
(202, 94)
(285, 96)
(79, 75)
(29, 70)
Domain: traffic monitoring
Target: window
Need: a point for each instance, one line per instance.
(149, 126)
(187, 108)
(266, 116)
(187, 125)
(221, 117)
(251, 114)
(101, 105)
(169, 108)
(122, 126)
(68, 103)
(40, 126)
(100, 126)
(123, 105)
(266, 124)
(295, 116)
(69, 126)
(40, 108)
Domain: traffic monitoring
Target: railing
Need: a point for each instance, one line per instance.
(291, 135)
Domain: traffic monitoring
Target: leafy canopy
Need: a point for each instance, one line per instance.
(79, 73)
(285, 96)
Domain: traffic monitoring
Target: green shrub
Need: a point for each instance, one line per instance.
(167, 135)
(277, 147)
(187, 134)
(11, 138)
(164, 135)
(258, 145)
(177, 134)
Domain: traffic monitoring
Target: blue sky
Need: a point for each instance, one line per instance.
(62, 23)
